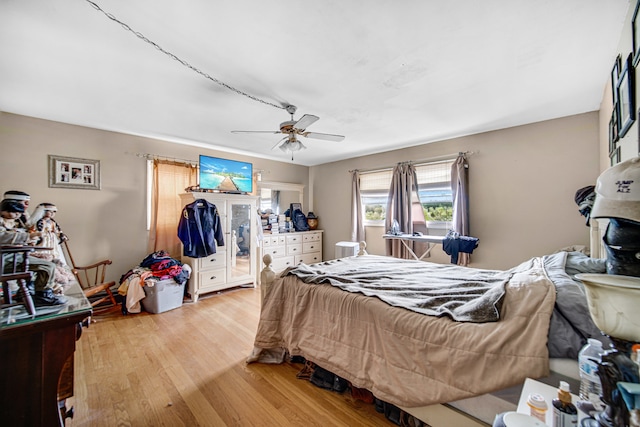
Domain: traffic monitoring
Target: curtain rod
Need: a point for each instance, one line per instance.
(419, 162)
(149, 156)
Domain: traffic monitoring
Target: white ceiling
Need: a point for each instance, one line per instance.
(385, 73)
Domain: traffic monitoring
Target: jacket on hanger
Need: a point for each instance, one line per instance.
(200, 229)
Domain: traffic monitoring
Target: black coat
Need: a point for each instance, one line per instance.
(200, 229)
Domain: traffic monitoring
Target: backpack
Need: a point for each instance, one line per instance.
(299, 221)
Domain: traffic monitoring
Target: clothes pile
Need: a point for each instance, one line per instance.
(154, 267)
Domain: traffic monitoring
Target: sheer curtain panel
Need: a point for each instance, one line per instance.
(170, 178)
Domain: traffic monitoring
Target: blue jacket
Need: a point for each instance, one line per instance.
(453, 244)
(200, 229)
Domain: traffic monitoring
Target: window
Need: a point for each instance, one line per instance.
(434, 188)
(374, 191)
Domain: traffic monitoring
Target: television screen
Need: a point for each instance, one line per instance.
(225, 175)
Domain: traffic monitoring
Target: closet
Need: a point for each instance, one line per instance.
(233, 264)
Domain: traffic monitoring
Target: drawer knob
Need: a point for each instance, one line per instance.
(212, 260)
(212, 277)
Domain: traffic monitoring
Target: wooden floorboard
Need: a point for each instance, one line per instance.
(186, 367)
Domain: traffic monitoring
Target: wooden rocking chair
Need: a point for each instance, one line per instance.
(92, 281)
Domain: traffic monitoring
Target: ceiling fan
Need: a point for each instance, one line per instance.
(292, 128)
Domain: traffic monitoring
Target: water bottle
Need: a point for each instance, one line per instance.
(590, 386)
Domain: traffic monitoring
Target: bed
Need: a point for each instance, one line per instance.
(389, 325)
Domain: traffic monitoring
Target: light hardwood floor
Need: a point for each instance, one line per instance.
(186, 367)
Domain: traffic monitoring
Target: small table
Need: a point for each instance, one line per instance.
(431, 242)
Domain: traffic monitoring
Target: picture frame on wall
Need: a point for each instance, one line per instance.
(638, 133)
(71, 172)
(613, 131)
(615, 77)
(614, 157)
(625, 92)
(635, 34)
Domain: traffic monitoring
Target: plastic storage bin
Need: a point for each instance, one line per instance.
(347, 249)
(165, 295)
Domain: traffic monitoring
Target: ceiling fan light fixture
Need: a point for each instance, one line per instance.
(291, 146)
(295, 146)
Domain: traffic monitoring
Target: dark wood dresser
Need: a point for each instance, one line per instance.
(36, 360)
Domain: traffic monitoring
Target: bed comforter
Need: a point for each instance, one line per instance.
(405, 357)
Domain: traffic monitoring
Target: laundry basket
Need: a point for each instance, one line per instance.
(165, 295)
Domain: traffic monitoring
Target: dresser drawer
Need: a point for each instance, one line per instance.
(309, 258)
(275, 251)
(294, 249)
(311, 247)
(312, 237)
(280, 264)
(212, 278)
(294, 239)
(217, 260)
(271, 240)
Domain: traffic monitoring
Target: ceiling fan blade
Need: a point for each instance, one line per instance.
(276, 144)
(255, 131)
(306, 121)
(325, 136)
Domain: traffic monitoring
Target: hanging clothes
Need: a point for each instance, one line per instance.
(454, 243)
(200, 229)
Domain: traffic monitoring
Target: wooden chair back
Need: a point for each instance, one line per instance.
(92, 280)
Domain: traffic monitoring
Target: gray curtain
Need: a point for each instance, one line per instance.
(460, 190)
(357, 226)
(403, 205)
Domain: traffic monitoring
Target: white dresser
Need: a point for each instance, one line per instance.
(233, 264)
(290, 249)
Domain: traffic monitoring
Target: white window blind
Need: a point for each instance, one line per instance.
(434, 174)
(375, 181)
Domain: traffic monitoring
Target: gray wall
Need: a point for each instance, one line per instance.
(522, 186)
(110, 223)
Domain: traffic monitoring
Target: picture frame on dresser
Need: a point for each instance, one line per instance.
(626, 94)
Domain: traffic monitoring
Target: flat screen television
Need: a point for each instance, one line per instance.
(224, 175)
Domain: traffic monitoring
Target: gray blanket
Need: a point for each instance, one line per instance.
(464, 294)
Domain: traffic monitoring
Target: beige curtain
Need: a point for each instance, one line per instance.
(170, 178)
(460, 193)
(357, 226)
(404, 206)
